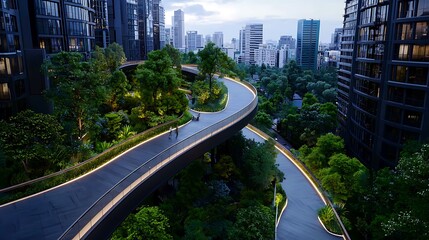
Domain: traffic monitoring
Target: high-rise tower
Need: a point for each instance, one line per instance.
(307, 43)
(124, 26)
(250, 38)
(383, 98)
(179, 29)
(101, 19)
(146, 24)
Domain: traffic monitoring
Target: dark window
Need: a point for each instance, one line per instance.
(417, 75)
(391, 133)
(389, 152)
(412, 118)
(396, 94)
(409, 136)
(393, 114)
(19, 88)
(415, 97)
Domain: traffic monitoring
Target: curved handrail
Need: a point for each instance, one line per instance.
(89, 161)
(116, 194)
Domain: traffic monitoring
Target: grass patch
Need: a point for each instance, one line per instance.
(213, 104)
(63, 176)
(327, 216)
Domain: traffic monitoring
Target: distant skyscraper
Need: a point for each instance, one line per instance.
(288, 41)
(307, 43)
(200, 41)
(285, 55)
(168, 36)
(250, 37)
(235, 44)
(124, 26)
(179, 29)
(383, 94)
(191, 41)
(208, 39)
(336, 39)
(218, 39)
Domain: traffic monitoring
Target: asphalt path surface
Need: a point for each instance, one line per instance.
(49, 214)
(299, 220)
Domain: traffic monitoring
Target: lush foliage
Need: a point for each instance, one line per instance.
(280, 91)
(212, 61)
(147, 223)
(213, 198)
(207, 102)
(32, 145)
(395, 203)
(158, 83)
(95, 107)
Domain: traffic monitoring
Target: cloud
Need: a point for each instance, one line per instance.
(197, 10)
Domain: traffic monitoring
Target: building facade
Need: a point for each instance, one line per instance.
(336, 39)
(13, 84)
(191, 41)
(158, 25)
(218, 39)
(288, 41)
(307, 43)
(251, 37)
(266, 54)
(124, 26)
(32, 30)
(101, 19)
(383, 96)
(179, 29)
(146, 26)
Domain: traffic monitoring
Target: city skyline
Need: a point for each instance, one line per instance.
(279, 17)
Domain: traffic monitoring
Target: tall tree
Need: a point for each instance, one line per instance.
(78, 89)
(157, 77)
(115, 56)
(213, 60)
(259, 164)
(174, 55)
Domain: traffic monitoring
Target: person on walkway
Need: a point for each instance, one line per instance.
(177, 131)
(198, 117)
(169, 133)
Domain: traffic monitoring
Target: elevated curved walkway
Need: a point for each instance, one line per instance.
(91, 206)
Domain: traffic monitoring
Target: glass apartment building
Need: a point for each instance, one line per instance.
(12, 75)
(383, 98)
(307, 44)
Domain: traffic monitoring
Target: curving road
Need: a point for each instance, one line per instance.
(49, 214)
(299, 220)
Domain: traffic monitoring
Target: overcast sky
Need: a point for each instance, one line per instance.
(278, 16)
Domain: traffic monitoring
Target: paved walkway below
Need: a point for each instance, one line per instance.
(299, 220)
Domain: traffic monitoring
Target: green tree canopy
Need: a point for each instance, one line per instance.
(259, 164)
(78, 89)
(147, 223)
(213, 60)
(32, 143)
(255, 222)
(157, 78)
